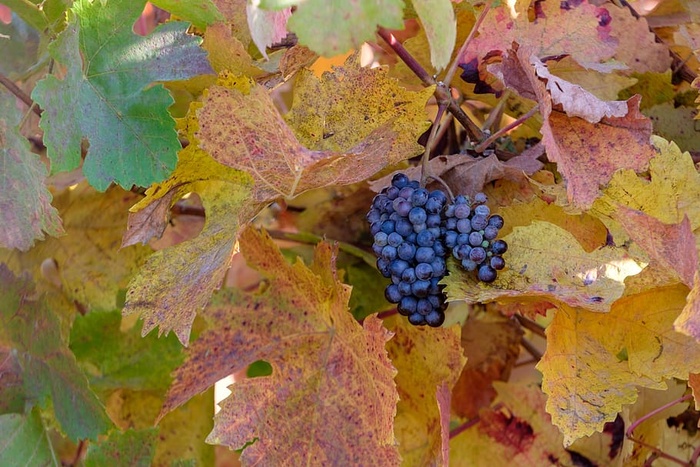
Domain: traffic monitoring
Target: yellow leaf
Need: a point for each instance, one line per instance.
(595, 362)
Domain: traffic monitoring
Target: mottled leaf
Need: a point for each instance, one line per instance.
(200, 13)
(104, 98)
(32, 333)
(331, 396)
(438, 21)
(426, 359)
(131, 447)
(25, 202)
(266, 27)
(595, 362)
(24, 441)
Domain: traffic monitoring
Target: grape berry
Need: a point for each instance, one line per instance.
(414, 229)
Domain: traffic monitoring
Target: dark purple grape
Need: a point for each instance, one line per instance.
(435, 318)
(499, 247)
(407, 305)
(420, 288)
(406, 193)
(479, 222)
(394, 239)
(496, 221)
(420, 197)
(399, 180)
(435, 301)
(477, 254)
(424, 306)
(403, 227)
(417, 228)
(424, 271)
(373, 215)
(480, 198)
(375, 227)
(411, 238)
(383, 267)
(468, 265)
(424, 254)
(389, 253)
(381, 239)
(402, 207)
(392, 294)
(475, 239)
(416, 319)
(397, 267)
(462, 239)
(425, 238)
(451, 223)
(461, 252)
(433, 220)
(392, 193)
(435, 287)
(464, 226)
(450, 210)
(434, 205)
(461, 199)
(417, 216)
(439, 248)
(406, 251)
(439, 267)
(388, 227)
(450, 238)
(439, 195)
(486, 273)
(490, 232)
(481, 210)
(462, 211)
(409, 275)
(405, 288)
(497, 262)
(377, 249)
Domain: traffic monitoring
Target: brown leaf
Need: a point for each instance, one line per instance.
(330, 398)
(492, 346)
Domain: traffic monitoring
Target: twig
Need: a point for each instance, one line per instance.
(455, 63)
(487, 142)
(497, 112)
(442, 92)
(471, 422)
(531, 325)
(312, 239)
(658, 452)
(429, 145)
(531, 349)
(444, 185)
(20, 94)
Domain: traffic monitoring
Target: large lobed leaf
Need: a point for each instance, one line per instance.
(25, 202)
(30, 334)
(105, 96)
(24, 441)
(331, 398)
(595, 362)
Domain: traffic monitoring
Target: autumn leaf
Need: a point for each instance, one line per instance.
(555, 270)
(595, 362)
(132, 447)
(31, 335)
(201, 14)
(24, 441)
(91, 266)
(267, 27)
(426, 359)
(131, 135)
(331, 392)
(438, 21)
(556, 30)
(25, 202)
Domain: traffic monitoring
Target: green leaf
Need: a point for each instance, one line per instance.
(132, 447)
(336, 26)
(123, 359)
(18, 47)
(23, 441)
(25, 202)
(32, 333)
(438, 20)
(104, 99)
(200, 12)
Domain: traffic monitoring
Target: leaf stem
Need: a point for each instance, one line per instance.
(312, 239)
(406, 56)
(531, 349)
(488, 141)
(20, 94)
(455, 63)
(658, 452)
(531, 325)
(429, 145)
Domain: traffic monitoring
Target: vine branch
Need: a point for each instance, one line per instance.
(20, 94)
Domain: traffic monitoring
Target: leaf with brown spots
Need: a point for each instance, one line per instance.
(429, 362)
(331, 397)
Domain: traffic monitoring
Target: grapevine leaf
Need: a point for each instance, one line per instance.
(331, 392)
(590, 149)
(23, 441)
(200, 13)
(115, 359)
(426, 359)
(491, 345)
(557, 270)
(670, 245)
(25, 202)
(557, 30)
(605, 86)
(344, 107)
(333, 27)
(688, 322)
(675, 124)
(266, 27)
(103, 98)
(91, 267)
(132, 447)
(18, 48)
(518, 434)
(244, 131)
(32, 332)
(438, 20)
(594, 362)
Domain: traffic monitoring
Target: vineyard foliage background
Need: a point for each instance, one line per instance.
(182, 198)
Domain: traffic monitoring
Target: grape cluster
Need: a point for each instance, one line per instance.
(406, 222)
(470, 232)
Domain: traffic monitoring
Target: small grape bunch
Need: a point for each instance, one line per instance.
(470, 232)
(406, 222)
